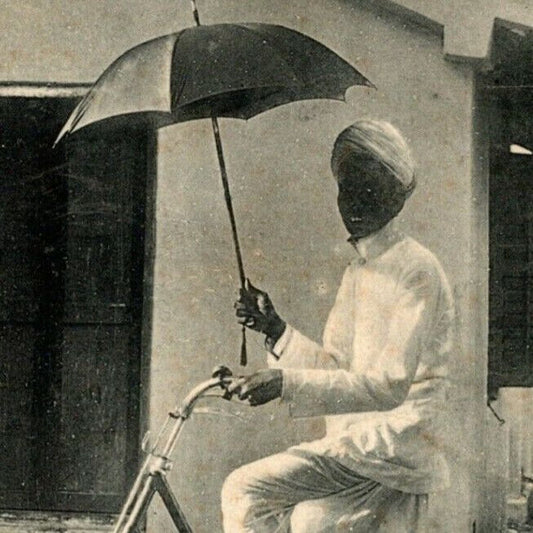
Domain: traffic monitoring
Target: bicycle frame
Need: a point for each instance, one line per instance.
(152, 474)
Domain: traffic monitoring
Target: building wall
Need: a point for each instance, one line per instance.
(294, 244)
(467, 25)
(292, 238)
(492, 438)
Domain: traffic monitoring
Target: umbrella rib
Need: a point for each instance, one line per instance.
(175, 93)
(327, 75)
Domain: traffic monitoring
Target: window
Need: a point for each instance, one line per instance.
(510, 88)
(72, 223)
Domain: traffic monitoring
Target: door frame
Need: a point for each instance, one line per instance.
(51, 90)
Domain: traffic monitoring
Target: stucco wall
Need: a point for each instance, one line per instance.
(73, 40)
(294, 244)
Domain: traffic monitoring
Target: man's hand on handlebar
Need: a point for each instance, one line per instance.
(258, 388)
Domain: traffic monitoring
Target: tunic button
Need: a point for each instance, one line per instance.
(362, 261)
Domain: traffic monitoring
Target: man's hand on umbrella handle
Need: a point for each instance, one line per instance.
(259, 388)
(254, 309)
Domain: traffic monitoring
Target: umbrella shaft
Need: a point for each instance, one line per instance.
(225, 183)
(229, 203)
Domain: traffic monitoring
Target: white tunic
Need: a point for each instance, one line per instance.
(380, 377)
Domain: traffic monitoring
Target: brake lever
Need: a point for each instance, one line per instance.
(223, 373)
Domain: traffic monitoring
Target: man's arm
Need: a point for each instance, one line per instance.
(255, 310)
(386, 382)
(295, 350)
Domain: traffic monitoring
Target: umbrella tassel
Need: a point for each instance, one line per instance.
(244, 354)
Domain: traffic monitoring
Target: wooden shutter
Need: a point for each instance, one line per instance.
(28, 188)
(72, 258)
(511, 270)
(104, 232)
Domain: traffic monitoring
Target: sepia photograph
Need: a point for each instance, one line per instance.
(266, 266)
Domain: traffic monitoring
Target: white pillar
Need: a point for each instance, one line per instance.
(527, 434)
(512, 402)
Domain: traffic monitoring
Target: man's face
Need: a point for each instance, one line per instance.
(368, 196)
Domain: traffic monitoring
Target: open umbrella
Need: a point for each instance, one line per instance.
(221, 70)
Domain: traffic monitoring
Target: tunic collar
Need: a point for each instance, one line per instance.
(377, 243)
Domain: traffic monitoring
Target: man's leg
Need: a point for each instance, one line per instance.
(259, 497)
(359, 510)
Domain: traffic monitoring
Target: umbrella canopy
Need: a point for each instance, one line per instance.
(221, 70)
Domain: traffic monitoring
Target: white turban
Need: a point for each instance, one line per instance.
(382, 141)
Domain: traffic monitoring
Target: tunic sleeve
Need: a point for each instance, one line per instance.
(385, 382)
(295, 350)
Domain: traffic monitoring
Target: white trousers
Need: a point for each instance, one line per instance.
(305, 493)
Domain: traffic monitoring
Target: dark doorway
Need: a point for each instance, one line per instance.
(509, 88)
(72, 223)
